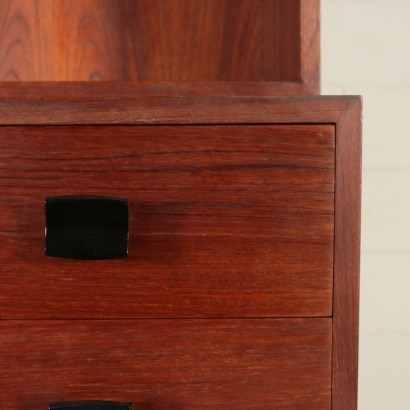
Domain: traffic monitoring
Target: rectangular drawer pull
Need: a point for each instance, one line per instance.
(86, 227)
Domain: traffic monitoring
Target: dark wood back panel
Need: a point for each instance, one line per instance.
(168, 364)
(225, 220)
(215, 40)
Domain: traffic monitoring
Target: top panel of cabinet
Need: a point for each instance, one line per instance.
(212, 47)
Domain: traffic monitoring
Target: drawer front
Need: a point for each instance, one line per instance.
(168, 364)
(227, 221)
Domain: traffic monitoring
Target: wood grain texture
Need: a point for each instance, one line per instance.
(62, 40)
(347, 259)
(342, 112)
(310, 44)
(51, 106)
(168, 364)
(25, 47)
(225, 220)
(90, 89)
(239, 44)
(225, 40)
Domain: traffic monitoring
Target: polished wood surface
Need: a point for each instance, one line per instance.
(46, 104)
(224, 40)
(225, 220)
(342, 113)
(168, 364)
(347, 259)
(212, 47)
(119, 89)
(64, 40)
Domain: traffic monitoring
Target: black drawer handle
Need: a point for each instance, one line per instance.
(90, 405)
(86, 227)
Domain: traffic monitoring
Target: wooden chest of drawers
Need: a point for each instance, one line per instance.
(240, 289)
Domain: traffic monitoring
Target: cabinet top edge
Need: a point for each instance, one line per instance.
(52, 108)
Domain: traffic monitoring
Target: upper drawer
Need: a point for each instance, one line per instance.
(234, 221)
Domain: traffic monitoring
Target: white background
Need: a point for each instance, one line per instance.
(366, 51)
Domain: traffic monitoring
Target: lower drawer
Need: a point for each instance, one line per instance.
(168, 364)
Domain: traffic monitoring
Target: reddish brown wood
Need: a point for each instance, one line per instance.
(62, 40)
(341, 112)
(168, 364)
(226, 220)
(347, 259)
(91, 89)
(310, 45)
(225, 40)
(103, 107)
(23, 41)
(238, 47)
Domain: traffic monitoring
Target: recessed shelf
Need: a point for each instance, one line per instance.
(212, 47)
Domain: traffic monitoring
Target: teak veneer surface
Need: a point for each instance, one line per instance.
(210, 46)
(99, 103)
(45, 105)
(168, 364)
(224, 220)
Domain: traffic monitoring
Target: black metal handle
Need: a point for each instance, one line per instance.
(90, 405)
(86, 227)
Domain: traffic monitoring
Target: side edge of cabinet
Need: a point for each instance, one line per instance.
(347, 259)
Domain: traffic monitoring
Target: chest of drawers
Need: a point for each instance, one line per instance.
(240, 288)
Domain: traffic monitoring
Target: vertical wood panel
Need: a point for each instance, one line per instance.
(90, 44)
(150, 40)
(309, 44)
(26, 37)
(347, 259)
(61, 40)
(216, 40)
(281, 38)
